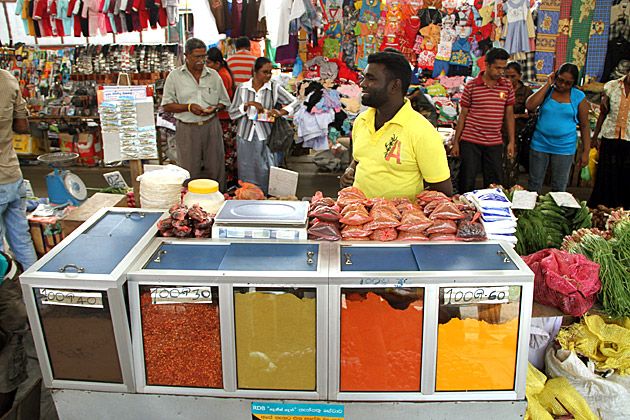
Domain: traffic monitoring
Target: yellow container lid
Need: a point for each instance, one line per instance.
(203, 186)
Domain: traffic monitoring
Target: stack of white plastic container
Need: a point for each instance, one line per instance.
(497, 217)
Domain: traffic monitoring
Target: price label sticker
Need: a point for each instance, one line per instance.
(72, 298)
(476, 295)
(163, 295)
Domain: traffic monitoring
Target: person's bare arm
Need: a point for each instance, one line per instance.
(347, 179)
(585, 130)
(461, 121)
(177, 108)
(20, 126)
(604, 109)
(445, 186)
(509, 124)
(535, 100)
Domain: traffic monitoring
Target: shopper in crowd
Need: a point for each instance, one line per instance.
(242, 61)
(215, 61)
(13, 328)
(12, 189)
(396, 151)
(195, 94)
(513, 72)
(613, 169)
(255, 101)
(486, 102)
(560, 107)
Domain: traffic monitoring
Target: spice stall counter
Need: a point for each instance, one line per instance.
(385, 330)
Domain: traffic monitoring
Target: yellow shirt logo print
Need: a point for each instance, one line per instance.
(392, 149)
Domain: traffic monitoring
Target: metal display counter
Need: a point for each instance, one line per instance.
(76, 301)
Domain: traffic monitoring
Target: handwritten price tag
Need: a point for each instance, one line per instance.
(163, 295)
(72, 298)
(475, 295)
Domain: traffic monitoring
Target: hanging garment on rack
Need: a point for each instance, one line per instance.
(618, 49)
(564, 29)
(219, 9)
(251, 26)
(277, 14)
(519, 26)
(548, 18)
(581, 19)
(598, 41)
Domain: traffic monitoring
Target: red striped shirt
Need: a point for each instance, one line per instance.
(241, 64)
(486, 108)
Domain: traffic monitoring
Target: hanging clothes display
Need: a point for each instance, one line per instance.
(598, 41)
(564, 29)
(581, 19)
(519, 26)
(219, 9)
(548, 18)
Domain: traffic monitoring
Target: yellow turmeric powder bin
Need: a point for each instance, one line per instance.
(477, 344)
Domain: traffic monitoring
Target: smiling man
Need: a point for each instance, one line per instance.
(396, 151)
(195, 94)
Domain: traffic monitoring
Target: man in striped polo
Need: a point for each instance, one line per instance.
(241, 62)
(487, 100)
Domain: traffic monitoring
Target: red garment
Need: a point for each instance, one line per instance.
(410, 29)
(228, 83)
(344, 71)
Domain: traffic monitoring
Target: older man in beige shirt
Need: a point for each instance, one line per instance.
(195, 94)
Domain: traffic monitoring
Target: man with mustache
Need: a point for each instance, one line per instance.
(397, 152)
(195, 94)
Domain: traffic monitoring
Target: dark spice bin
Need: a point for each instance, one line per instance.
(77, 301)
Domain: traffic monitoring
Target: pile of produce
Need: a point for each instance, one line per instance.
(547, 224)
(186, 222)
(601, 215)
(433, 216)
(611, 250)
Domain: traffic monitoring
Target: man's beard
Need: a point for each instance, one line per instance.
(374, 99)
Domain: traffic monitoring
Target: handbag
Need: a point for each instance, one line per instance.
(282, 133)
(527, 132)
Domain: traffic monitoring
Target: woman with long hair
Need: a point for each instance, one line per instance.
(255, 103)
(562, 107)
(215, 61)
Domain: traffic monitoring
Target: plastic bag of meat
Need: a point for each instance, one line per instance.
(178, 211)
(430, 195)
(350, 195)
(414, 220)
(398, 201)
(442, 226)
(317, 196)
(411, 236)
(325, 230)
(354, 232)
(389, 206)
(325, 213)
(360, 238)
(248, 191)
(472, 231)
(446, 210)
(402, 207)
(354, 214)
(196, 213)
(325, 201)
(442, 237)
(383, 219)
(165, 224)
(383, 235)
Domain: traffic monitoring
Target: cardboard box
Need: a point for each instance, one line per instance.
(25, 144)
(43, 237)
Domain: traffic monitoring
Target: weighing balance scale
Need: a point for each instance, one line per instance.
(258, 219)
(63, 186)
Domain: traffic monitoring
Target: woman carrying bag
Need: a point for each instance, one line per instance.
(253, 105)
(555, 138)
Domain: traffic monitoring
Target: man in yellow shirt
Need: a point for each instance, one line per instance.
(396, 151)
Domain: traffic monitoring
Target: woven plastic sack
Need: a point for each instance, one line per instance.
(608, 397)
(566, 281)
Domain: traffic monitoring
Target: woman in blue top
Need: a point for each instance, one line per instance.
(562, 106)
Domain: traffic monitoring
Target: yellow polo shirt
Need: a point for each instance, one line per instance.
(393, 161)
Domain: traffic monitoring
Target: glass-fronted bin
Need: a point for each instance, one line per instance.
(77, 302)
(430, 321)
(231, 318)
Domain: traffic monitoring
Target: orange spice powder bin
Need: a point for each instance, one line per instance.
(381, 347)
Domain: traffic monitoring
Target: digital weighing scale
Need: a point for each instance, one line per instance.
(258, 219)
(63, 186)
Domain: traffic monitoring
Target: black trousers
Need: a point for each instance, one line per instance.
(475, 158)
(612, 188)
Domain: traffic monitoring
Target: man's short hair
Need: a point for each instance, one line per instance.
(396, 67)
(242, 42)
(193, 44)
(496, 54)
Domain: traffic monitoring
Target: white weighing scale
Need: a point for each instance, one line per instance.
(261, 219)
(63, 186)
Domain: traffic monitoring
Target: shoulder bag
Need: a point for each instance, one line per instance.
(282, 133)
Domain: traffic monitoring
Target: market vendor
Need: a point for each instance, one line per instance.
(396, 151)
(195, 94)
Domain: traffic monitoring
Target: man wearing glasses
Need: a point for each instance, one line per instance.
(195, 94)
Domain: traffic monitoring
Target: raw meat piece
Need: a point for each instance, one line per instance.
(165, 224)
(196, 213)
